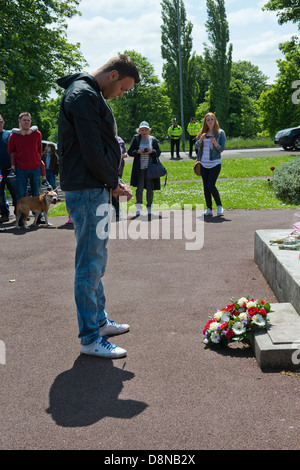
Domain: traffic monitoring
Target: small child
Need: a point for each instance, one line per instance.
(50, 160)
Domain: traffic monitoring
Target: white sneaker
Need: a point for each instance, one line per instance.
(207, 212)
(220, 210)
(111, 328)
(102, 348)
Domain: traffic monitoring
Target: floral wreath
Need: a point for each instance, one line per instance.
(237, 321)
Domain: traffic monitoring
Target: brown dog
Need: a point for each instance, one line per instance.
(38, 205)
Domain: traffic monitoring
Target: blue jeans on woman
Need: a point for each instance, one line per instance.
(89, 211)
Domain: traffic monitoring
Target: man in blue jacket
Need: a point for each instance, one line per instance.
(89, 158)
(5, 165)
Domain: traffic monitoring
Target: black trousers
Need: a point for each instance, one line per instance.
(176, 143)
(192, 140)
(209, 178)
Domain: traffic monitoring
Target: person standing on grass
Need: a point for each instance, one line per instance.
(210, 144)
(193, 129)
(175, 132)
(89, 159)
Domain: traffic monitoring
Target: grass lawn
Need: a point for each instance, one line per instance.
(231, 168)
(243, 184)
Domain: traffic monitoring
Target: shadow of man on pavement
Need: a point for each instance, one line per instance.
(89, 392)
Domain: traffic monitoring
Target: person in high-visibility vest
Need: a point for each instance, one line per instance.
(174, 132)
(193, 130)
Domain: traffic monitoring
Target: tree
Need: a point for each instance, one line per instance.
(170, 53)
(277, 108)
(219, 59)
(202, 78)
(287, 10)
(251, 76)
(246, 85)
(146, 101)
(34, 51)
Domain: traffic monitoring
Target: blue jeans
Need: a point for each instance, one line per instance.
(51, 178)
(90, 258)
(34, 177)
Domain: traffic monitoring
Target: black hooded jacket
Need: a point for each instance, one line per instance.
(88, 150)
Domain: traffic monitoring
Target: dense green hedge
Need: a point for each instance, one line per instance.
(286, 182)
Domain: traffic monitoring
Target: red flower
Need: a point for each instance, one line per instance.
(207, 325)
(229, 334)
(272, 168)
(252, 310)
(230, 307)
(263, 312)
(224, 325)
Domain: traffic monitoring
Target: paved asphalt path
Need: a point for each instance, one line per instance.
(170, 392)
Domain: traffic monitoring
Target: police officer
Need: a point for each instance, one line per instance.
(175, 132)
(193, 130)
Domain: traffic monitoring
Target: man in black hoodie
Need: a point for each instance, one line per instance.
(89, 158)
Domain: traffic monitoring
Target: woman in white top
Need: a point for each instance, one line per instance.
(211, 143)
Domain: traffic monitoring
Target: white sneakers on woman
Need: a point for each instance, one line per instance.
(220, 210)
(209, 211)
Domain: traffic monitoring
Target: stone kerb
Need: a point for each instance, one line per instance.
(281, 268)
(279, 347)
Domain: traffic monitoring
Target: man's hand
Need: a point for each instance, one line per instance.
(27, 132)
(123, 190)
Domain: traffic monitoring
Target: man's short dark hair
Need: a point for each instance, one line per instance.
(124, 65)
(25, 113)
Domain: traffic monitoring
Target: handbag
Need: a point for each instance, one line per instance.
(157, 170)
(197, 168)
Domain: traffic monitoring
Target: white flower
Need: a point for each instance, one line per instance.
(258, 320)
(225, 317)
(242, 301)
(238, 328)
(251, 304)
(243, 316)
(218, 315)
(214, 325)
(215, 337)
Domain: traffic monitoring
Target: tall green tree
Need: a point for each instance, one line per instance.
(251, 76)
(246, 85)
(171, 67)
(146, 101)
(34, 52)
(287, 10)
(219, 59)
(276, 105)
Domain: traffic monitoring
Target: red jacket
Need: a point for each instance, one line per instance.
(28, 150)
